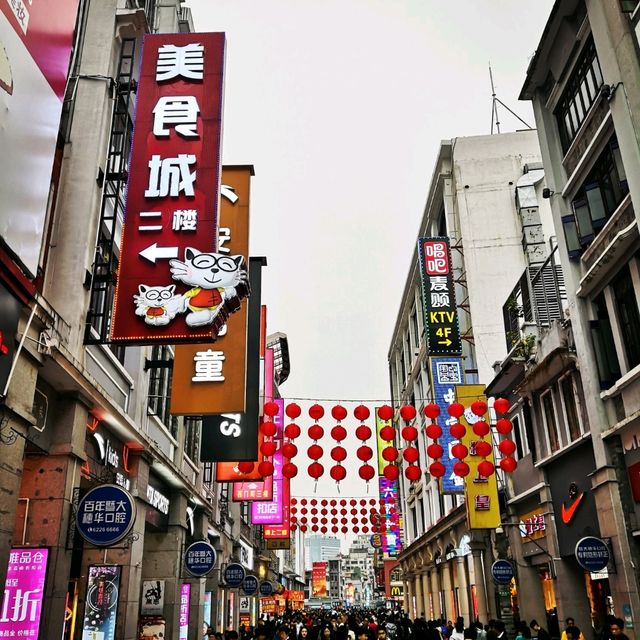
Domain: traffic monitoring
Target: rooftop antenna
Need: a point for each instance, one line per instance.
(495, 118)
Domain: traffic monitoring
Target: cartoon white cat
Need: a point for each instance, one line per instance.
(158, 305)
(214, 278)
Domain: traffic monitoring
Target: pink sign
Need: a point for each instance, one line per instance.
(272, 512)
(185, 595)
(23, 593)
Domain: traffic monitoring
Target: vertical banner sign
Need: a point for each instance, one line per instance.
(172, 285)
(446, 375)
(101, 605)
(481, 494)
(185, 595)
(233, 437)
(390, 516)
(23, 592)
(439, 297)
(319, 580)
(199, 388)
(380, 443)
(35, 47)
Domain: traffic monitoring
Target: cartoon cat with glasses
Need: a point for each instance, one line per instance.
(215, 279)
(158, 305)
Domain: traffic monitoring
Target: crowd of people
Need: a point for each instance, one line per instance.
(365, 624)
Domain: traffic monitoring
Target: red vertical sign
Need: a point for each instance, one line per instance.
(172, 286)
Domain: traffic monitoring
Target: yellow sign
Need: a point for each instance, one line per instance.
(481, 494)
(381, 444)
(533, 525)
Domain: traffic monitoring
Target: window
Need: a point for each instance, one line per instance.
(192, 430)
(580, 95)
(415, 333)
(569, 393)
(414, 519)
(161, 369)
(550, 420)
(603, 345)
(208, 477)
(628, 316)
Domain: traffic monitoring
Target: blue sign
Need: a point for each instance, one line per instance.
(234, 575)
(199, 558)
(105, 515)
(592, 554)
(250, 585)
(446, 373)
(266, 588)
(502, 571)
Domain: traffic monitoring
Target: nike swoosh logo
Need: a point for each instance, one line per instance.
(568, 512)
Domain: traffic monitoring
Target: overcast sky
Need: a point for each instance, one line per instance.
(340, 105)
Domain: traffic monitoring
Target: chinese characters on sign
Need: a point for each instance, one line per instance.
(234, 575)
(105, 515)
(172, 286)
(390, 519)
(101, 606)
(23, 592)
(185, 594)
(200, 558)
(319, 580)
(533, 526)
(439, 297)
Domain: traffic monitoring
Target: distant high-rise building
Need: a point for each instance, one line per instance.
(320, 549)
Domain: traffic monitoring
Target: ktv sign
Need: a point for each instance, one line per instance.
(172, 284)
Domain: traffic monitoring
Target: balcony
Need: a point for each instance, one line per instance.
(538, 299)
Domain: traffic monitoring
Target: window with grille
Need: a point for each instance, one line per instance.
(550, 421)
(160, 375)
(192, 430)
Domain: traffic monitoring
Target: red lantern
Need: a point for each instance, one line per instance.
(372, 501)
(316, 412)
(410, 433)
(355, 529)
(339, 412)
(391, 472)
(303, 501)
(461, 469)
(314, 528)
(482, 449)
(410, 454)
(436, 469)
(338, 473)
(343, 502)
(504, 426)
(338, 454)
(433, 431)
(459, 451)
(412, 473)
(268, 429)
(501, 405)
(390, 454)
(292, 431)
(366, 472)
(344, 529)
(334, 529)
(316, 432)
(315, 470)
(303, 528)
(293, 411)
(485, 468)
(455, 409)
(457, 431)
(432, 411)
(293, 501)
(365, 529)
(324, 503)
(333, 503)
(387, 433)
(364, 453)
(314, 520)
(315, 452)
(246, 467)
(507, 447)
(435, 451)
(385, 413)
(408, 412)
(265, 468)
(289, 450)
(270, 409)
(338, 433)
(478, 407)
(508, 465)
(361, 413)
(268, 448)
(363, 432)
(293, 526)
(314, 501)
(481, 428)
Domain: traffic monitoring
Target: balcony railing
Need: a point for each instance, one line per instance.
(538, 299)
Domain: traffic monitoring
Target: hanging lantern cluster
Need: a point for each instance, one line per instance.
(289, 449)
(458, 431)
(315, 451)
(434, 432)
(364, 451)
(481, 429)
(389, 453)
(321, 515)
(338, 453)
(507, 446)
(268, 446)
(410, 452)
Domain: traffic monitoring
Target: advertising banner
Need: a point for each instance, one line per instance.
(439, 297)
(101, 605)
(481, 494)
(200, 558)
(256, 490)
(193, 391)
(390, 516)
(185, 596)
(173, 286)
(446, 375)
(152, 598)
(380, 443)
(23, 592)
(233, 437)
(282, 530)
(35, 48)
(319, 580)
